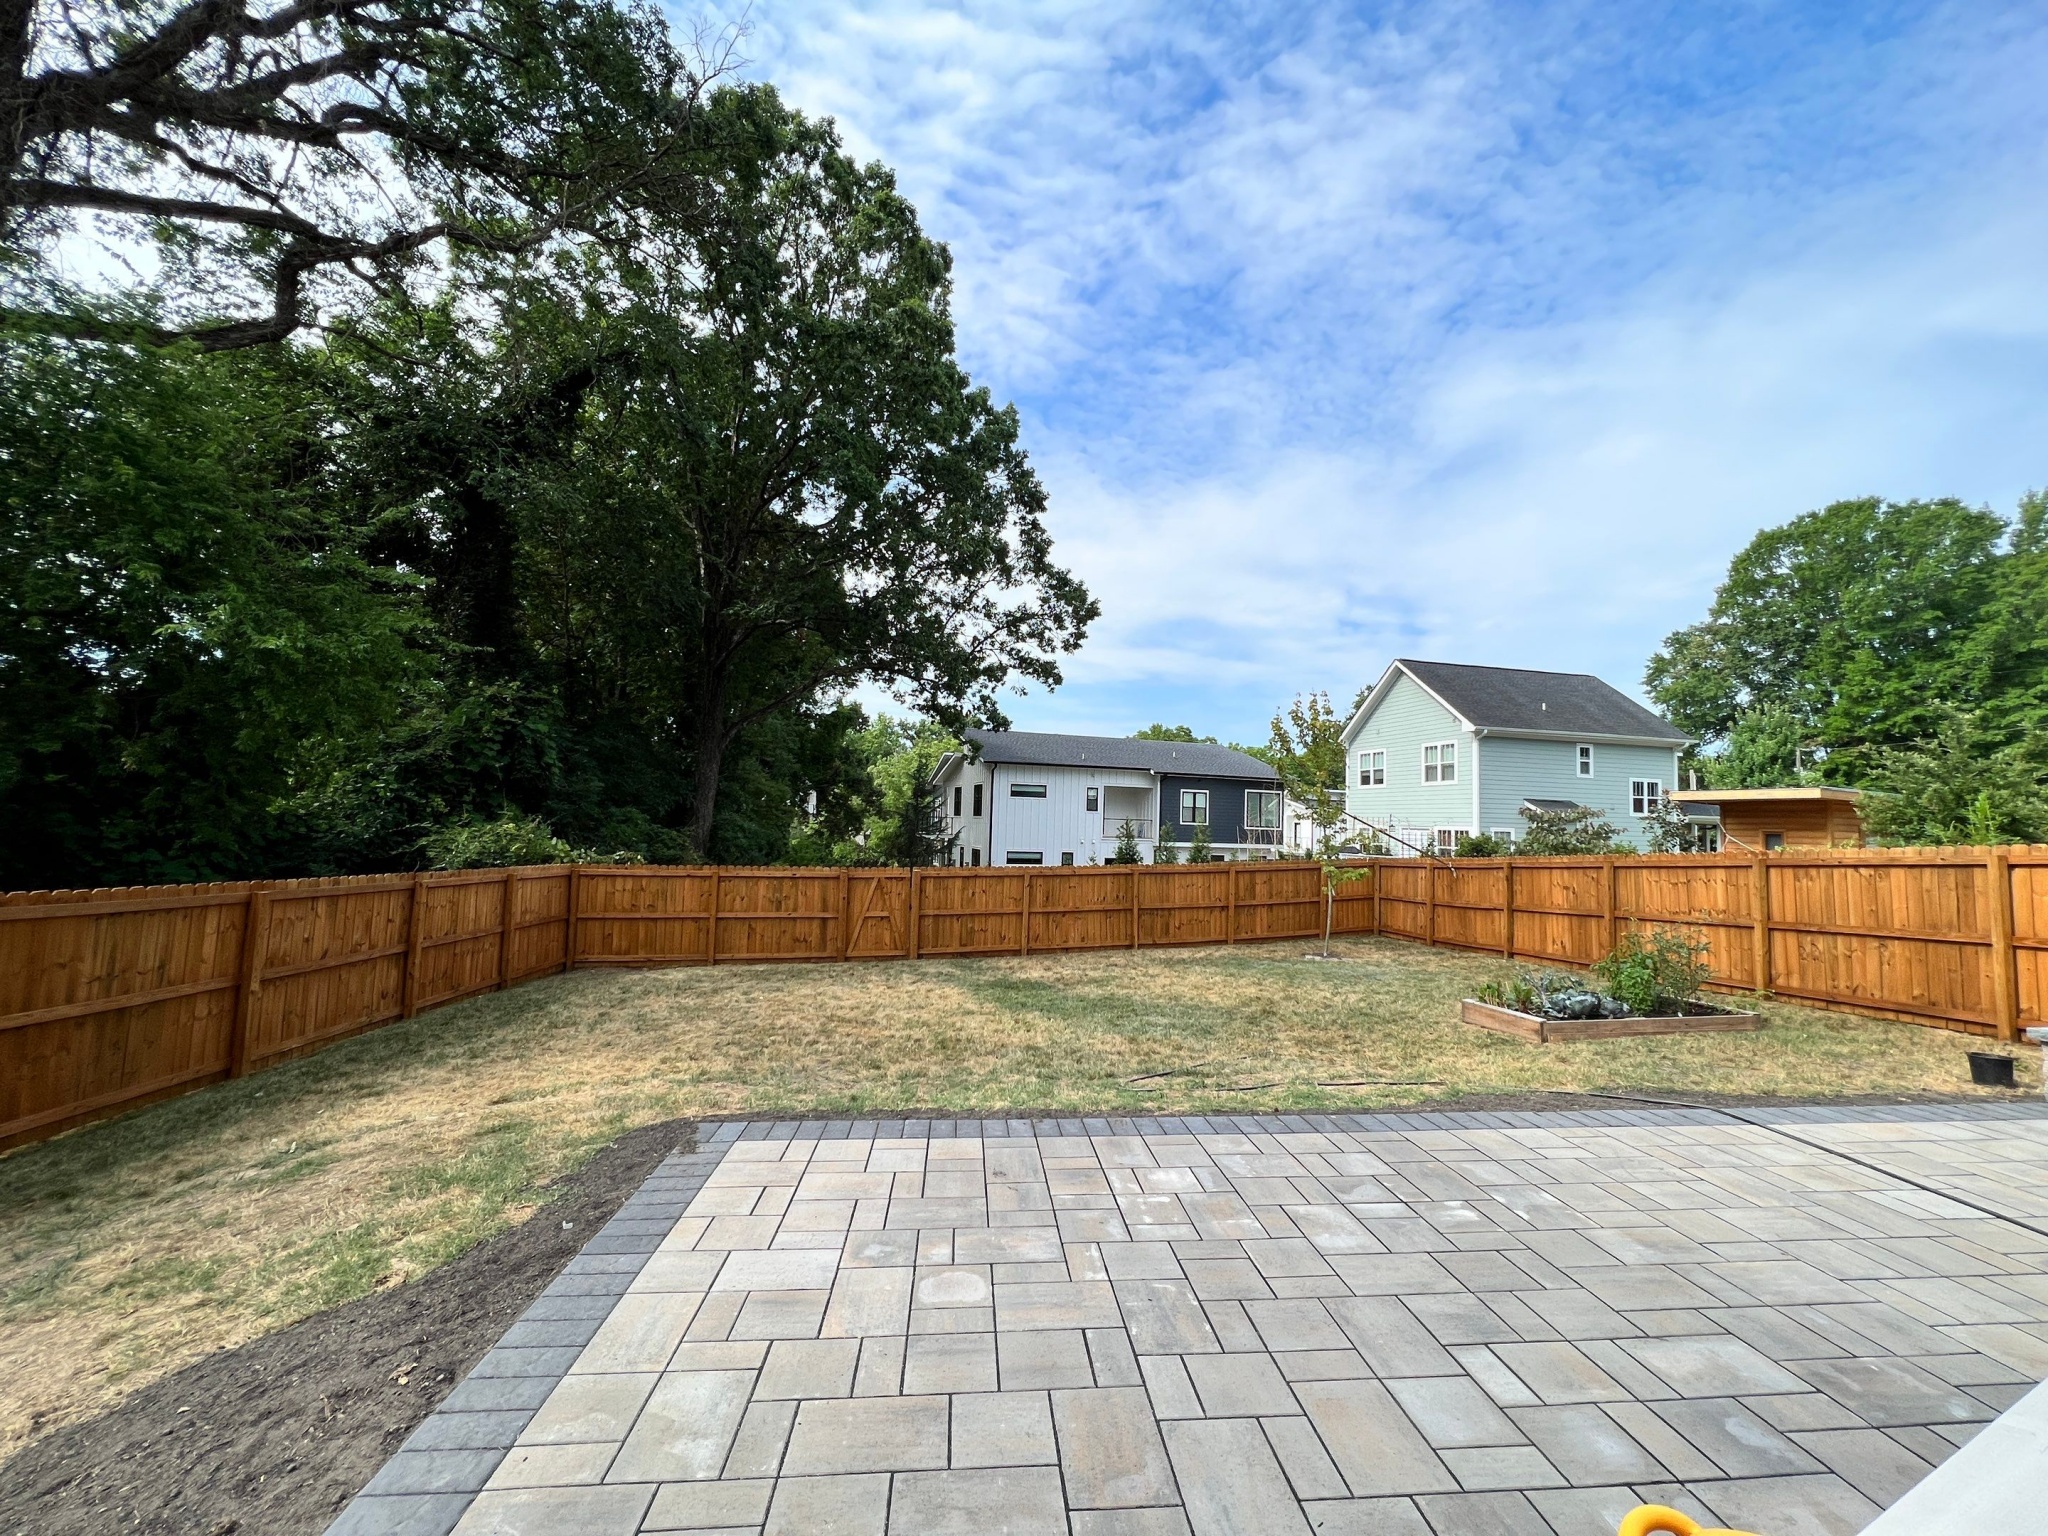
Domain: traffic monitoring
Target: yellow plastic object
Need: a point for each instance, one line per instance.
(1658, 1520)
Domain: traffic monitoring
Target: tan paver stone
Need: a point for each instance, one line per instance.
(1710, 1366)
(1389, 1338)
(1169, 1386)
(1230, 1480)
(1003, 1429)
(1302, 1457)
(1372, 1441)
(1129, 1522)
(1060, 1304)
(763, 1433)
(1295, 1325)
(808, 1368)
(1325, 1365)
(1225, 1279)
(1735, 1439)
(1819, 1505)
(1110, 1450)
(868, 1301)
(880, 1373)
(1452, 1412)
(1240, 1386)
(736, 1355)
(1371, 1517)
(686, 1428)
(687, 1271)
(980, 1244)
(557, 1466)
(709, 1506)
(958, 1286)
(1498, 1468)
(589, 1409)
(739, 1233)
(998, 1501)
(716, 1316)
(1393, 1274)
(829, 1506)
(868, 1434)
(801, 1269)
(780, 1315)
(1037, 1360)
(640, 1335)
(1589, 1447)
(1873, 1463)
(599, 1511)
(1164, 1317)
(962, 1362)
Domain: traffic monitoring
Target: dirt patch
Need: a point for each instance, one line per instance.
(275, 1436)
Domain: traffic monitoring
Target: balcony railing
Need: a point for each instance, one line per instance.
(1113, 826)
(1264, 837)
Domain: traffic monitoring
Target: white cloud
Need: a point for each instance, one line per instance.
(1454, 331)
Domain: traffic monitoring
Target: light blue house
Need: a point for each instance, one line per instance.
(1438, 749)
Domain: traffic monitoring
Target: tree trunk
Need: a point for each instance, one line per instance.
(712, 740)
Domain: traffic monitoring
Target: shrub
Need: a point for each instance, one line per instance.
(474, 843)
(1198, 850)
(1126, 844)
(1655, 972)
(1481, 845)
(1579, 830)
(1165, 850)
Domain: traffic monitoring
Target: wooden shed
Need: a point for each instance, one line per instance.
(1817, 816)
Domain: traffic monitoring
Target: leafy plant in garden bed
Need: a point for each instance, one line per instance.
(1654, 975)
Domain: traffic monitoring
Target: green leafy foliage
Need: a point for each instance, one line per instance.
(508, 840)
(1127, 851)
(1955, 787)
(1158, 732)
(1854, 627)
(1481, 845)
(1198, 846)
(1165, 847)
(1656, 972)
(1578, 830)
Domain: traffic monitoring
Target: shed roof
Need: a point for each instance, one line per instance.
(1765, 796)
(1053, 750)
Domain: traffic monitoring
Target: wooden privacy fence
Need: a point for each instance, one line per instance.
(109, 999)
(112, 998)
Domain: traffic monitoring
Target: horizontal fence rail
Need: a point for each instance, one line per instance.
(112, 998)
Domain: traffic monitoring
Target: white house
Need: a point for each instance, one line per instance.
(1029, 797)
(1437, 749)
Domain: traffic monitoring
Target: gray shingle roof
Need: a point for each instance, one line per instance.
(1051, 750)
(1559, 703)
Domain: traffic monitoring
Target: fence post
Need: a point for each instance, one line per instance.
(505, 935)
(1760, 903)
(1507, 909)
(2004, 984)
(415, 931)
(575, 918)
(1608, 904)
(845, 913)
(255, 938)
(916, 915)
(711, 938)
(1136, 921)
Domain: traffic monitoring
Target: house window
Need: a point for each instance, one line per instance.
(956, 799)
(1372, 769)
(974, 854)
(1440, 763)
(1027, 791)
(1094, 799)
(977, 799)
(1505, 834)
(1773, 841)
(1024, 856)
(1194, 807)
(1707, 840)
(1645, 795)
(1446, 839)
(1066, 858)
(1262, 808)
(1585, 762)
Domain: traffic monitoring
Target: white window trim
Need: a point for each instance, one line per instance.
(1023, 856)
(1370, 761)
(1279, 804)
(1188, 802)
(1505, 834)
(1028, 791)
(1582, 759)
(1440, 748)
(1645, 796)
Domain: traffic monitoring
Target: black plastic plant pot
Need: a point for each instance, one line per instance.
(1990, 1070)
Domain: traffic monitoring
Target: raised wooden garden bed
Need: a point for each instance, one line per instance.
(1541, 1031)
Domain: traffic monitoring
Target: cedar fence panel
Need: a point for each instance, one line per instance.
(112, 998)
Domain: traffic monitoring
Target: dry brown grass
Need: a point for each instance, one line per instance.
(133, 1246)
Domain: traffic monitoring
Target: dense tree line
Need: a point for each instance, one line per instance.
(1896, 646)
(526, 443)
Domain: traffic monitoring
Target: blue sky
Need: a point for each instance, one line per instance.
(1477, 332)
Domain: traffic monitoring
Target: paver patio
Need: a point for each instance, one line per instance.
(1457, 1324)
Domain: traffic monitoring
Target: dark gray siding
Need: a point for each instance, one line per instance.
(1226, 805)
